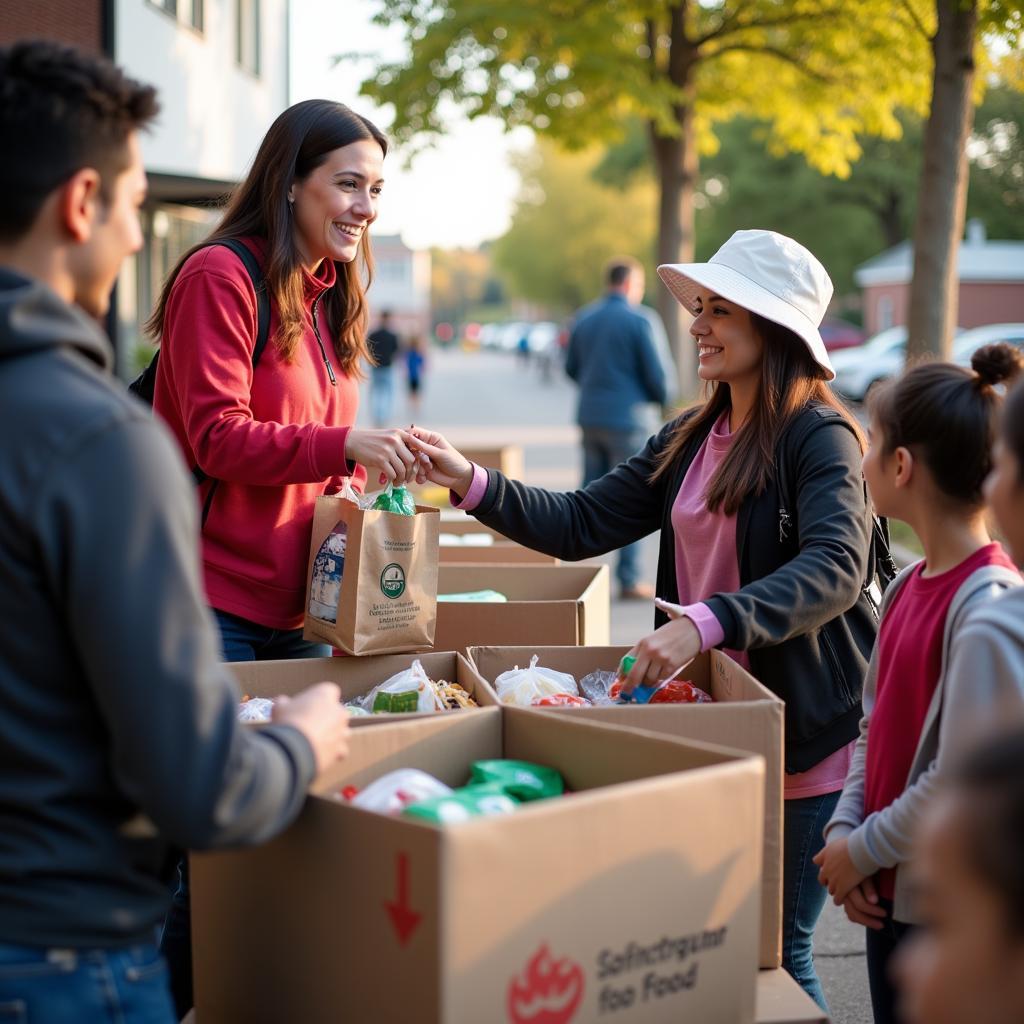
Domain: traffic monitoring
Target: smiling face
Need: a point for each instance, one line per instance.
(729, 348)
(335, 204)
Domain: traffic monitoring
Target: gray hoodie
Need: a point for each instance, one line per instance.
(115, 712)
(982, 676)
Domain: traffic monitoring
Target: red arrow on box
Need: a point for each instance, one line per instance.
(404, 919)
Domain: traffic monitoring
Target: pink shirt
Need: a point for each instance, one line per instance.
(706, 564)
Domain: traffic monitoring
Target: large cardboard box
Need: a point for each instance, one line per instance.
(547, 604)
(634, 898)
(745, 715)
(780, 1000)
(498, 548)
(357, 676)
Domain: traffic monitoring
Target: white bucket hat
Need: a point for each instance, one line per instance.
(765, 273)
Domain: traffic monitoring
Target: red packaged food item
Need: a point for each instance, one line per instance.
(560, 700)
(675, 691)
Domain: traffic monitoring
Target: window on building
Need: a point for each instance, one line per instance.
(883, 312)
(187, 12)
(247, 34)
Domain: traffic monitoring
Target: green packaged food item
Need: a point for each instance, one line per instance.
(520, 779)
(395, 703)
(468, 802)
(397, 500)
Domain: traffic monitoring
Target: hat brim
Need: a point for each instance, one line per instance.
(684, 279)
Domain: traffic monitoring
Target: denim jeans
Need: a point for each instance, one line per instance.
(382, 394)
(603, 450)
(241, 640)
(87, 986)
(881, 945)
(803, 897)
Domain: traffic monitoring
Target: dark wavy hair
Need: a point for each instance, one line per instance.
(790, 380)
(61, 110)
(296, 144)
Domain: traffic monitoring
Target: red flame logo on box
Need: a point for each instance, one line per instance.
(548, 992)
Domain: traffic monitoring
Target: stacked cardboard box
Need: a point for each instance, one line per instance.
(745, 715)
(634, 898)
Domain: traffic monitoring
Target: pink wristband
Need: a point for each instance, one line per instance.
(708, 626)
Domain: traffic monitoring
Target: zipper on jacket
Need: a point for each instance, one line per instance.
(319, 341)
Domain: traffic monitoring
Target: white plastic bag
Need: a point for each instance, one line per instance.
(408, 690)
(522, 686)
(393, 792)
(256, 709)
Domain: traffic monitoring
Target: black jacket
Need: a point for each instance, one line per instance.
(116, 713)
(803, 549)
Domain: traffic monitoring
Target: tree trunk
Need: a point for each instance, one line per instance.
(942, 192)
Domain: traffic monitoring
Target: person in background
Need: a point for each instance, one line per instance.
(612, 357)
(765, 529)
(273, 438)
(929, 684)
(965, 964)
(118, 721)
(415, 366)
(383, 345)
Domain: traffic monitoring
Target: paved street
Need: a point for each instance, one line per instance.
(483, 398)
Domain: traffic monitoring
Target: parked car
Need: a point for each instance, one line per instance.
(839, 334)
(859, 369)
(967, 343)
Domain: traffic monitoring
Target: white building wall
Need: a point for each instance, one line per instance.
(214, 113)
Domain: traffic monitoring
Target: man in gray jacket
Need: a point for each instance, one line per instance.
(118, 728)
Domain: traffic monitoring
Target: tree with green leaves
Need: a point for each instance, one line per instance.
(821, 73)
(956, 31)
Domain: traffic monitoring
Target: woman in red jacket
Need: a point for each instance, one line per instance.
(270, 439)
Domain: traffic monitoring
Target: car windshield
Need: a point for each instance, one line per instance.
(971, 340)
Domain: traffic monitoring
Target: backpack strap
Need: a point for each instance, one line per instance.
(259, 284)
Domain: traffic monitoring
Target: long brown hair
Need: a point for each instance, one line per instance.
(790, 380)
(296, 144)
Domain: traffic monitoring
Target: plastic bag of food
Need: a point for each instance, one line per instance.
(479, 596)
(255, 709)
(675, 691)
(561, 700)
(465, 803)
(408, 690)
(596, 686)
(355, 709)
(395, 499)
(522, 686)
(393, 792)
(520, 779)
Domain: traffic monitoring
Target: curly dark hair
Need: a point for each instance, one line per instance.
(61, 110)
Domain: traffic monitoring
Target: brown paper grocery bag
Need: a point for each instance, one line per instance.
(371, 582)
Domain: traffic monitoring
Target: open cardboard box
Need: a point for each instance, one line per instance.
(499, 549)
(547, 604)
(635, 897)
(745, 715)
(357, 676)
(780, 1000)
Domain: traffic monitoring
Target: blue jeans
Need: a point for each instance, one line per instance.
(881, 946)
(85, 986)
(382, 394)
(241, 640)
(803, 897)
(603, 450)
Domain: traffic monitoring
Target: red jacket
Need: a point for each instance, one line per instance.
(273, 437)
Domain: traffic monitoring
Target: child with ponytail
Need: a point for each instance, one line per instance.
(931, 437)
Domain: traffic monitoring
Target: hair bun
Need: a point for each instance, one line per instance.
(998, 363)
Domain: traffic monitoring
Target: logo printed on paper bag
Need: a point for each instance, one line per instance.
(548, 992)
(392, 581)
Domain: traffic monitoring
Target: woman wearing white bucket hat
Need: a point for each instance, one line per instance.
(765, 528)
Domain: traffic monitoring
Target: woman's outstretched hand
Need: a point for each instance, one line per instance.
(447, 467)
(384, 451)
